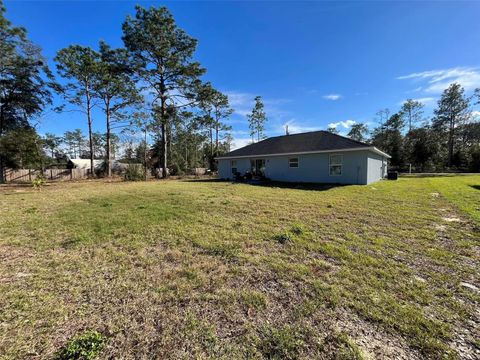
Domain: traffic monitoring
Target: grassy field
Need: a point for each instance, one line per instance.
(204, 269)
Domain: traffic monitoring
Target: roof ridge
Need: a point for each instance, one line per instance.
(302, 133)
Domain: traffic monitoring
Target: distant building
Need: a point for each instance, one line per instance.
(97, 164)
(84, 164)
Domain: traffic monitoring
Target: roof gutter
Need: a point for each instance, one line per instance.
(370, 148)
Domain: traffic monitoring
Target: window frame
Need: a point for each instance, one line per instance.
(290, 162)
(233, 167)
(330, 165)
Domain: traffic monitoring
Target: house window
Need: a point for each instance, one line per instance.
(233, 165)
(293, 162)
(336, 165)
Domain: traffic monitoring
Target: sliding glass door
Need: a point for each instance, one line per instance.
(258, 167)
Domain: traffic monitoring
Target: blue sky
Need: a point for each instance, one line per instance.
(314, 63)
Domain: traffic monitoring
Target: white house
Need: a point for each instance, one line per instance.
(314, 157)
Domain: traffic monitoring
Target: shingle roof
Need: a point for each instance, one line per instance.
(297, 143)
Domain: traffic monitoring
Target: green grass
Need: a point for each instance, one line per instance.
(464, 192)
(192, 269)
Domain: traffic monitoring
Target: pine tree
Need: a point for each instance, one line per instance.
(452, 111)
(115, 86)
(411, 112)
(164, 53)
(257, 120)
(79, 64)
(25, 89)
(358, 132)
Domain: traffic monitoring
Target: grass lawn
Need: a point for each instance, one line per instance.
(198, 269)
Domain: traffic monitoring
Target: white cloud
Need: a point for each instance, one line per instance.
(435, 81)
(240, 142)
(347, 124)
(425, 100)
(332, 97)
(241, 102)
(476, 115)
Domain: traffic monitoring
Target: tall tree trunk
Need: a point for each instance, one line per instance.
(215, 154)
(216, 138)
(164, 150)
(145, 153)
(210, 160)
(2, 161)
(90, 137)
(108, 145)
(163, 119)
(169, 143)
(450, 142)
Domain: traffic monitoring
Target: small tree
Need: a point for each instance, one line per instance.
(22, 148)
(411, 112)
(358, 132)
(216, 109)
(257, 120)
(332, 130)
(98, 145)
(381, 118)
(421, 147)
(388, 137)
(52, 142)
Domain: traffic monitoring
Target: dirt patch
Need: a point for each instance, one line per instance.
(374, 341)
(451, 219)
(439, 227)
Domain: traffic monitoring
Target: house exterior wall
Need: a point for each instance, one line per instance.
(225, 167)
(358, 167)
(377, 167)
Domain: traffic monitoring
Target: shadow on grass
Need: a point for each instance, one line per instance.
(477, 187)
(276, 184)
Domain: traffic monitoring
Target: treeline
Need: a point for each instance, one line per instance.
(152, 95)
(151, 89)
(448, 141)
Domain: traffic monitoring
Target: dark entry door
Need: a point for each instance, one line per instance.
(258, 167)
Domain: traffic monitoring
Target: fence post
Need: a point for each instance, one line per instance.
(71, 173)
(29, 175)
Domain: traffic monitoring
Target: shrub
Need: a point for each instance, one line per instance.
(176, 170)
(101, 170)
(280, 343)
(134, 172)
(85, 346)
(283, 238)
(298, 229)
(38, 183)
